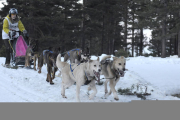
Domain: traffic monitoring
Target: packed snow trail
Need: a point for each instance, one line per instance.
(27, 85)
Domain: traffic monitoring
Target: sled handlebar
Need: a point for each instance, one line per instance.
(14, 30)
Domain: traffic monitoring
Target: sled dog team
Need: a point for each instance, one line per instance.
(81, 70)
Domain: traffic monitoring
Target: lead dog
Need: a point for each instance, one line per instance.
(79, 73)
(112, 70)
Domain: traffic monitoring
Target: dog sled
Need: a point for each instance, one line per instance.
(18, 51)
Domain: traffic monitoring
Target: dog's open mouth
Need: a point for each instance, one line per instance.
(97, 75)
(120, 72)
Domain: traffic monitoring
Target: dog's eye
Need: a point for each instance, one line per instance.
(119, 63)
(94, 65)
(124, 63)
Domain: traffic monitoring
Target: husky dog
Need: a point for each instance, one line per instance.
(49, 57)
(82, 73)
(73, 55)
(32, 53)
(77, 55)
(85, 56)
(112, 70)
(51, 67)
(43, 58)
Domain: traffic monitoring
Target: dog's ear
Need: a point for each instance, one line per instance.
(114, 58)
(98, 59)
(122, 57)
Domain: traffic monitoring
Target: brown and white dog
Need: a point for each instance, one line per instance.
(112, 70)
(32, 53)
(48, 57)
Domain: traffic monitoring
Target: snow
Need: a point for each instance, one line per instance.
(160, 76)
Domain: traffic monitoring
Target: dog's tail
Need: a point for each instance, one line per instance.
(105, 57)
(59, 63)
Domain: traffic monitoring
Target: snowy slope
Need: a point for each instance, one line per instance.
(161, 76)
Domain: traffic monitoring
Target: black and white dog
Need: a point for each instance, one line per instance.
(77, 55)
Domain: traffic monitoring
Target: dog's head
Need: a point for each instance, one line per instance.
(34, 44)
(94, 68)
(119, 65)
(57, 49)
(85, 56)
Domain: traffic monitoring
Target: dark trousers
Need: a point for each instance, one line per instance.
(8, 51)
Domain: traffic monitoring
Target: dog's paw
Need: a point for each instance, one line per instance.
(52, 83)
(103, 97)
(91, 97)
(116, 98)
(64, 96)
(106, 91)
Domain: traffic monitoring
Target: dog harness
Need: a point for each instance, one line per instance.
(86, 78)
(74, 50)
(73, 69)
(46, 51)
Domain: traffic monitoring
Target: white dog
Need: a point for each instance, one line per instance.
(83, 73)
(112, 70)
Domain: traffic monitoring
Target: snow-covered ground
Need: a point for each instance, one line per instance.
(160, 75)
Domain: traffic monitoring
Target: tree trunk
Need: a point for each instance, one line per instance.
(102, 41)
(170, 46)
(133, 37)
(82, 29)
(178, 44)
(31, 25)
(90, 44)
(175, 45)
(64, 34)
(125, 28)
(163, 49)
(141, 42)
